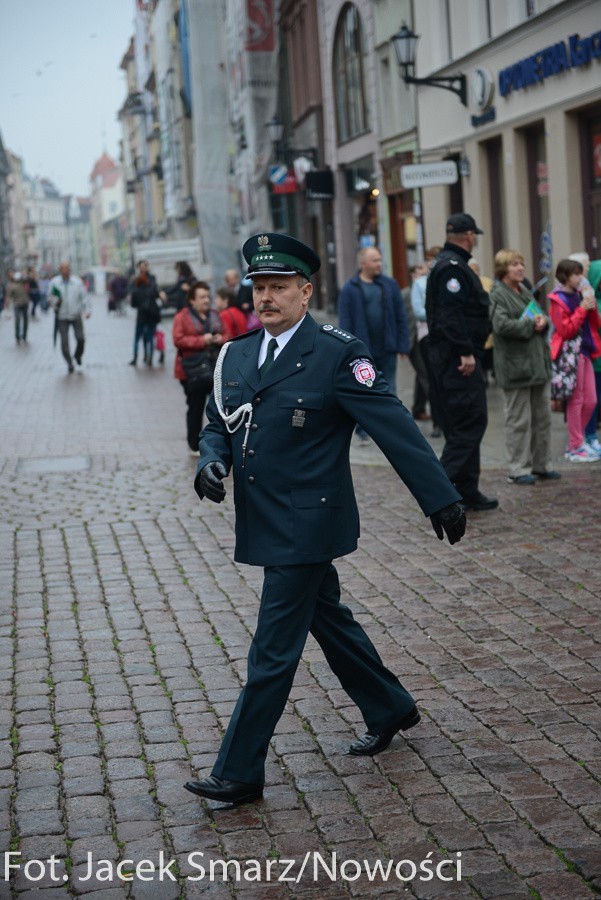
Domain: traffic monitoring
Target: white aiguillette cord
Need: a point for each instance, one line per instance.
(241, 416)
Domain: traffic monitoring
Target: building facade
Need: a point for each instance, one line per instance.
(46, 232)
(530, 136)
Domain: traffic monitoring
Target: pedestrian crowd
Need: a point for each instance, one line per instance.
(457, 328)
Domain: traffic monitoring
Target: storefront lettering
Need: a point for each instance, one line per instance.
(550, 61)
(489, 116)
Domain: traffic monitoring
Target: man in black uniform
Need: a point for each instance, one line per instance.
(281, 417)
(458, 325)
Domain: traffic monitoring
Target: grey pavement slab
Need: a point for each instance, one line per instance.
(124, 628)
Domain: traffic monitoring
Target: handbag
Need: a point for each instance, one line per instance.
(564, 369)
(199, 371)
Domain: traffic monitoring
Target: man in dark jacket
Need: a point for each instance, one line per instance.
(281, 417)
(458, 325)
(370, 306)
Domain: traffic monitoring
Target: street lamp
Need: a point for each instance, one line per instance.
(275, 131)
(405, 43)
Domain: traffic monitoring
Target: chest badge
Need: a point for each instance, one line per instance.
(363, 371)
(298, 418)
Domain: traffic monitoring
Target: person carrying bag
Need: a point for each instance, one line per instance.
(198, 336)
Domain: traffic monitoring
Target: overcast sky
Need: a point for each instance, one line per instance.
(61, 85)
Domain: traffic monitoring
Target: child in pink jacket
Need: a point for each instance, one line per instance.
(572, 315)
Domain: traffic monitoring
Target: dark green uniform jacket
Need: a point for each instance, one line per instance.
(293, 490)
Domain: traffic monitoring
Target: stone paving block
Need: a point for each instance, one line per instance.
(567, 886)
(40, 822)
(42, 797)
(126, 767)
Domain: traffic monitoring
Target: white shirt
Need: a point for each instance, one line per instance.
(282, 339)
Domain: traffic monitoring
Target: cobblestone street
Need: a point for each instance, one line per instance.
(124, 630)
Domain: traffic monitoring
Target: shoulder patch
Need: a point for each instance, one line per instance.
(364, 371)
(453, 286)
(338, 333)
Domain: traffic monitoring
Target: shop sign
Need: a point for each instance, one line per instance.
(260, 25)
(277, 173)
(429, 174)
(550, 61)
(289, 185)
(319, 185)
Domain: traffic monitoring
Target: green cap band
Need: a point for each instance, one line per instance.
(269, 257)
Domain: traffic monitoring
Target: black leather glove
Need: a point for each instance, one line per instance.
(450, 521)
(211, 481)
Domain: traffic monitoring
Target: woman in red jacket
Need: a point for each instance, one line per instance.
(575, 315)
(196, 327)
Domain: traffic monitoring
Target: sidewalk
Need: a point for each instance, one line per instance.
(124, 629)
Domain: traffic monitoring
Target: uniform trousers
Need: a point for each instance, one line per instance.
(528, 429)
(296, 600)
(461, 404)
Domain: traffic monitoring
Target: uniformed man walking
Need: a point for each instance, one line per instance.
(281, 418)
(458, 325)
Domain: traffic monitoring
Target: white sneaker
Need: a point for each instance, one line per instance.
(594, 445)
(582, 454)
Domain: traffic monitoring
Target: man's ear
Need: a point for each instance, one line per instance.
(307, 291)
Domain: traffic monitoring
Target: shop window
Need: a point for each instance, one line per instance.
(590, 149)
(540, 218)
(496, 192)
(349, 82)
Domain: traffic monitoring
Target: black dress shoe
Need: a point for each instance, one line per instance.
(370, 744)
(234, 792)
(479, 502)
(547, 476)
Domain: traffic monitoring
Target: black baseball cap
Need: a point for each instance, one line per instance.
(462, 222)
(279, 254)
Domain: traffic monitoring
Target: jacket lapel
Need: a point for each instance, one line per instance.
(248, 363)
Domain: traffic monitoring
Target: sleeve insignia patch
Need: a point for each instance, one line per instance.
(364, 371)
(453, 286)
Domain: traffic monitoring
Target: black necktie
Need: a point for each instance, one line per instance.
(272, 346)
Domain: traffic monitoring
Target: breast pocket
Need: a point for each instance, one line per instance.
(299, 413)
(231, 399)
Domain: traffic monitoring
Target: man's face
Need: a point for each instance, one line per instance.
(65, 269)
(371, 263)
(279, 301)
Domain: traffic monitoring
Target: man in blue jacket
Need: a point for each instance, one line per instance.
(370, 306)
(281, 417)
